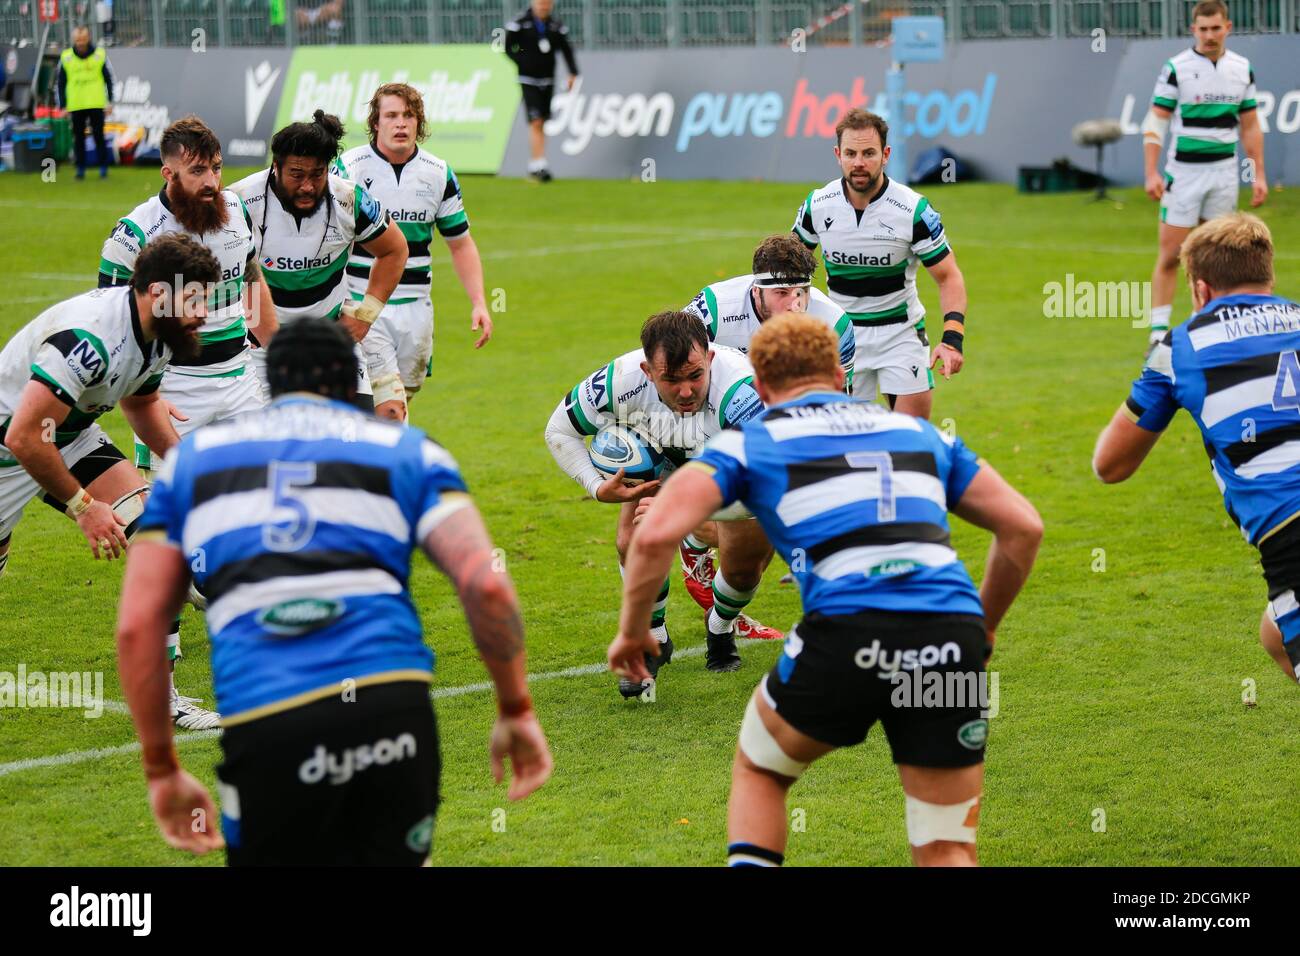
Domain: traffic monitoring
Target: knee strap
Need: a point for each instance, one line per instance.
(758, 744)
(928, 822)
(129, 508)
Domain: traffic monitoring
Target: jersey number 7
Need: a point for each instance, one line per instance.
(880, 462)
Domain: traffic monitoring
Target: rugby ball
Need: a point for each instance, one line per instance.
(623, 447)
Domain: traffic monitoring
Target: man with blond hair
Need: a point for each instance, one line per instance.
(1207, 93)
(421, 193)
(856, 499)
(1234, 367)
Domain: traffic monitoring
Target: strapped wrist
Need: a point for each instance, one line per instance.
(515, 708)
(78, 504)
(954, 330)
(160, 760)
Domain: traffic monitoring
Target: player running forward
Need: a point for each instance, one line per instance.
(308, 513)
(221, 381)
(873, 232)
(1208, 93)
(1234, 367)
(856, 498)
(421, 194)
(76, 361)
(733, 310)
(306, 221)
(680, 391)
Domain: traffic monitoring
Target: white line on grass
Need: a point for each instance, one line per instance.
(438, 693)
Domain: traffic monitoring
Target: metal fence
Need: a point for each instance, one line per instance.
(612, 24)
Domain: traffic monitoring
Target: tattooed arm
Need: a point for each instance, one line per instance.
(459, 544)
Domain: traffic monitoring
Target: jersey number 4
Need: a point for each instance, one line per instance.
(1286, 389)
(294, 530)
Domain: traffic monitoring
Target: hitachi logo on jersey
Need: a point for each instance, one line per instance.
(858, 259)
(872, 656)
(407, 215)
(287, 264)
(341, 768)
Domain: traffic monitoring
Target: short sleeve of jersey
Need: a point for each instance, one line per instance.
(162, 516)
(804, 227)
(963, 465)
(724, 457)
(1151, 403)
(450, 219)
(151, 385)
(118, 255)
(440, 476)
(69, 362)
(252, 234)
(370, 216)
(848, 345)
(1166, 93)
(740, 404)
(1248, 99)
(929, 242)
(705, 308)
(590, 405)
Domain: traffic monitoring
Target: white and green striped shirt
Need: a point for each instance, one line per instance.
(871, 255)
(303, 259)
(223, 333)
(1207, 98)
(421, 195)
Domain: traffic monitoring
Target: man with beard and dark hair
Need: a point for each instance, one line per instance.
(220, 381)
(874, 231)
(77, 360)
(306, 221)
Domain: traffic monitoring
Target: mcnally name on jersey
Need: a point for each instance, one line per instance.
(1268, 318)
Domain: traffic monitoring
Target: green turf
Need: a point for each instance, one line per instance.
(1121, 689)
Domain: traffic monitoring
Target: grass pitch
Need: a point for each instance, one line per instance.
(1121, 736)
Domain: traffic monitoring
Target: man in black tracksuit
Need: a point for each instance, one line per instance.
(532, 40)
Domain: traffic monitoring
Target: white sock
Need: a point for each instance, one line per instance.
(717, 625)
(1160, 319)
(536, 165)
(660, 633)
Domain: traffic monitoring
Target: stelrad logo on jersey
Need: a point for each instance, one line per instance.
(290, 264)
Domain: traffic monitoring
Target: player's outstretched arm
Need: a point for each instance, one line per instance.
(1122, 447)
(460, 546)
(469, 270)
(684, 502)
(989, 502)
(152, 592)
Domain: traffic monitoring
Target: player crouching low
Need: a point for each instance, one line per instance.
(76, 361)
(678, 391)
(856, 498)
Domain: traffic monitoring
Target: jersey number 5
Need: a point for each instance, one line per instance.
(1286, 390)
(284, 479)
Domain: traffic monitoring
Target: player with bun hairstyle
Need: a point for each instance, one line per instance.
(307, 220)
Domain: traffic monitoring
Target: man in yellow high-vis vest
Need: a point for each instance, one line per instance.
(85, 90)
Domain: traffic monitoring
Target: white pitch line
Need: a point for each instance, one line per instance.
(438, 693)
(81, 756)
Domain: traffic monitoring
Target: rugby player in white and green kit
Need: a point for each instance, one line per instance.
(421, 194)
(306, 220)
(81, 358)
(1207, 94)
(873, 232)
(219, 382)
(733, 310)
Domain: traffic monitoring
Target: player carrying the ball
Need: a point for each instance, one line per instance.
(857, 500)
(733, 310)
(873, 232)
(679, 391)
